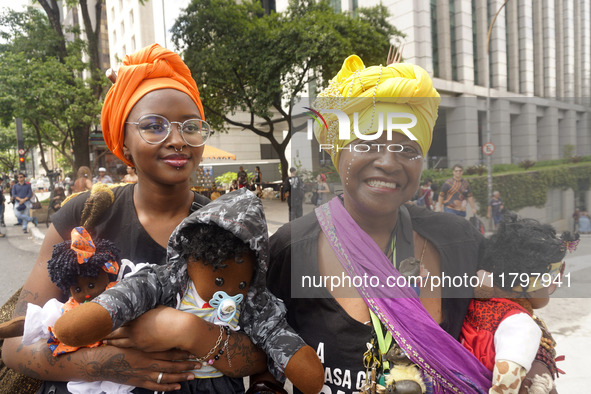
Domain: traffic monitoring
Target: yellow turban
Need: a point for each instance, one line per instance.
(369, 95)
(150, 68)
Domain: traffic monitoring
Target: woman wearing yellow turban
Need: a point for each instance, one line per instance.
(153, 120)
(348, 260)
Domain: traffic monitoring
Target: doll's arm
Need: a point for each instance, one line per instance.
(516, 343)
(12, 328)
(507, 377)
(131, 297)
(126, 366)
(288, 353)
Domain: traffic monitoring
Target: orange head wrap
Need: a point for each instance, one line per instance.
(150, 68)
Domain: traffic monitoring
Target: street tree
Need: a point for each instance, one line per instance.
(92, 13)
(8, 151)
(44, 88)
(245, 60)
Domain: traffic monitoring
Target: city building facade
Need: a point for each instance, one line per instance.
(538, 65)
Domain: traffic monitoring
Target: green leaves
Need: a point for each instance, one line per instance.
(246, 60)
(41, 86)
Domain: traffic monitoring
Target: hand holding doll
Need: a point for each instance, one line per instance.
(217, 260)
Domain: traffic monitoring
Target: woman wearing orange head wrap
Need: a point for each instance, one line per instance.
(153, 120)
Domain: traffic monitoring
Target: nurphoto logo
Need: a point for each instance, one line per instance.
(344, 127)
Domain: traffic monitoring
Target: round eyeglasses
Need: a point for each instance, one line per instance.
(154, 129)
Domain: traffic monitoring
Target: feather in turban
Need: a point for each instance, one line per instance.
(368, 93)
(151, 68)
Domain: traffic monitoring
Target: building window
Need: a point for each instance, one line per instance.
(474, 43)
(133, 43)
(122, 29)
(489, 17)
(268, 5)
(336, 4)
(434, 44)
(452, 33)
(131, 18)
(267, 152)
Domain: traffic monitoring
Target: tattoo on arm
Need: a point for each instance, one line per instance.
(101, 364)
(241, 347)
(24, 298)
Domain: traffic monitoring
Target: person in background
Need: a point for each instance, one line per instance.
(131, 176)
(22, 193)
(59, 195)
(322, 189)
(2, 207)
(83, 182)
(295, 187)
(454, 194)
(495, 209)
(67, 183)
(234, 185)
(257, 180)
(584, 223)
(102, 177)
(242, 178)
(425, 195)
(576, 216)
(12, 201)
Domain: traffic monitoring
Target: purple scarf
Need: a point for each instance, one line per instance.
(442, 359)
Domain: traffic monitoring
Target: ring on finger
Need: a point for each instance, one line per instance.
(160, 377)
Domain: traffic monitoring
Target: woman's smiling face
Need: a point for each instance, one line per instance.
(172, 160)
(379, 176)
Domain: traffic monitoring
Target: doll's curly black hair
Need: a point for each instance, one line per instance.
(64, 269)
(522, 246)
(212, 245)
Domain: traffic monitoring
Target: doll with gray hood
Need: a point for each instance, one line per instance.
(218, 253)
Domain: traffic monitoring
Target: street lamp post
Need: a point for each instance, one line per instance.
(488, 136)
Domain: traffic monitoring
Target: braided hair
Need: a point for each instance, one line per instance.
(212, 245)
(522, 246)
(64, 269)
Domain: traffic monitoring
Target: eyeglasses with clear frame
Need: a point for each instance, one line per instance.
(155, 129)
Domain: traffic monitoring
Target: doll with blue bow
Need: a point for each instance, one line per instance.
(216, 269)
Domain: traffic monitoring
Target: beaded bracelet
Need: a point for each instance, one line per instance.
(221, 351)
(203, 360)
(226, 347)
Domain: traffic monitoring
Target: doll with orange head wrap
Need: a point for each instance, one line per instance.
(82, 268)
(152, 119)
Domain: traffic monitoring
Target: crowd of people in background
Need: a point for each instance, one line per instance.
(20, 191)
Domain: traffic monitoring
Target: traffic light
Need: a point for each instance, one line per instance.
(20, 144)
(21, 160)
